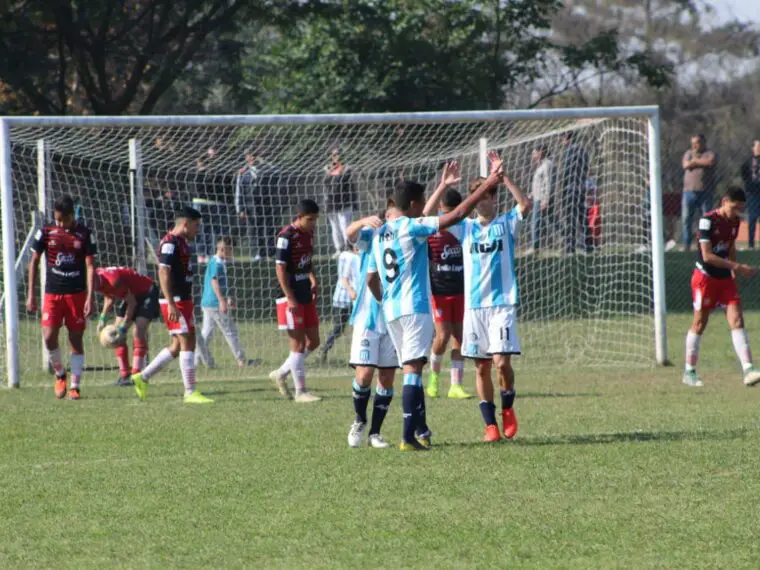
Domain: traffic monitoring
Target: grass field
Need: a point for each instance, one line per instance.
(610, 469)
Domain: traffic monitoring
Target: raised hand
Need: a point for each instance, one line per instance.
(451, 174)
(373, 222)
(497, 164)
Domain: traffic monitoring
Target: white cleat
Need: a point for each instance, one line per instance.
(690, 378)
(281, 381)
(355, 434)
(376, 440)
(751, 376)
(306, 397)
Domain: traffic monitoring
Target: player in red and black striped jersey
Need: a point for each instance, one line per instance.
(446, 260)
(139, 304)
(297, 310)
(713, 284)
(69, 249)
(175, 276)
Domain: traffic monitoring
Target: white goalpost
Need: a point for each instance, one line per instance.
(590, 267)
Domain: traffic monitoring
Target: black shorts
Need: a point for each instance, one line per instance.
(147, 306)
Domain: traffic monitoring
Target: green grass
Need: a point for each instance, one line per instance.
(611, 469)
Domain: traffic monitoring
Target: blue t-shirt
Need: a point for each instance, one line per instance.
(217, 269)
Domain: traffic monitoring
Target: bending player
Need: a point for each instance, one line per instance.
(447, 285)
(297, 310)
(175, 276)
(371, 346)
(139, 305)
(70, 250)
(713, 284)
(398, 276)
(490, 321)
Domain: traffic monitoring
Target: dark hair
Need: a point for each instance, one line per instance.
(451, 199)
(407, 192)
(735, 194)
(475, 184)
(307, 207)
(543, 147)
(569, 135)
(226, 240)
(64, 205)
(187, 213)
(699, 136)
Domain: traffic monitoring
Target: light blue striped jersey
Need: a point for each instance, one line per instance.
(399, 255)
(366, 313)
(489, 260)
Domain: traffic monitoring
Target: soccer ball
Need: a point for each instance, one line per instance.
(110, 337)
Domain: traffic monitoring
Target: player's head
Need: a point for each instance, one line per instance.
(187, 221)
(733, 202)
(540, 151)
(451, 199)
(698, 142)
(568, 138)
(409, 198)
(307, 214)
(487, 205)
(224, 247)
(63, 212)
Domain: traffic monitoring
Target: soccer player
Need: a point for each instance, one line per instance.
(490, 328)
(297, 310)
(175, 276)
(398, 276)
(447, 286)
(344, 296)
(215, 304)
(713, 284)
(70, 250)
(371, 346)
(139, 305)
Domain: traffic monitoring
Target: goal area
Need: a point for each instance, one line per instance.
(590, 265)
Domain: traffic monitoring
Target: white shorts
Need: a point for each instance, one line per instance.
(370, 348)
(412, 335)
(489, 331)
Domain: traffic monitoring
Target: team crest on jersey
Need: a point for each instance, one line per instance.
(497, 230)
(473, 337)
(365, 343)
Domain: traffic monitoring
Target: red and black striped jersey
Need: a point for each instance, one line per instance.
(118, 281)
(66, 251)
(294, 250)
(446, 264)
(721, 234)
(175, 253)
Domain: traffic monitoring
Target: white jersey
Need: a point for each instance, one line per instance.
(367, 314)
(348, 267)
(489, 260)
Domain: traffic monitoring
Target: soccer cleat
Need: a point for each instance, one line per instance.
(751, 376)
(456, 392)
(74, 394)
(196, 397)
(376, 440)
(249, 362)
(141, 386)
(433, 388)
(281, 381)
(60, 387)
(424, 439)
(509, 421)
(491, 434)
(355, 434)
(306, 397)
(690, 378)
(413, 446)
(123, 381)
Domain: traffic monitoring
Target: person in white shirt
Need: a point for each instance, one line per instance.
(541, 190)
(343, 296)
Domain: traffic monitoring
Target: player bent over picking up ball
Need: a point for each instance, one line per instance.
(139, 305)
(175, 275)
(713, 284)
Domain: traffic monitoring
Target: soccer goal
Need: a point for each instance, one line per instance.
(590, 269)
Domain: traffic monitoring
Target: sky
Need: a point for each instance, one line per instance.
(742, 9)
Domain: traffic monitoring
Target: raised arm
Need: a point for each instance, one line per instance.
(468, 204)
(354, 229)
(449, 177)
(522, 200)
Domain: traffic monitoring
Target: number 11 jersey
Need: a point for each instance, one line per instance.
(400, 257)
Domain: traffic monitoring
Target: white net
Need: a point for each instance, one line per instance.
(585, 275)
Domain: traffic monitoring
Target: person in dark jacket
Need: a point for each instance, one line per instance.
(751, 177)
(575, 167)
(340, 199)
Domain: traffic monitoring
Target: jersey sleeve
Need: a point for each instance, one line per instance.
(168, 254)
(90, 245)
(458, 230)
(372, 263)
(364, 240)
(705, 229)
(39, 244)
(423, 228)
(213, 269)
(282, 253)
(513, 219)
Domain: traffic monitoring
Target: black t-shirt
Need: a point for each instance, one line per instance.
(66, 252)
(174, 252)
(294, 250)
(720, 233)
(446, 264)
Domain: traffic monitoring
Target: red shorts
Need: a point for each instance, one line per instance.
(303, 317)
(448, 308)
(67, 308)
(708, 292)
(186, 322)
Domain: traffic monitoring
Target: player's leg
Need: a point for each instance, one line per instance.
(443, 331)
(288, 320)
(122, 359)
(52, 319)
(740, 339)
(381, 404)
(187, 344)
(311, 343)
(506, 375)
(76, 324)
(140, 344)
(456, 391)
(361, 389)
(203, 352)
(229, 329)
(484, 387)
(503, 343)
(703, 302)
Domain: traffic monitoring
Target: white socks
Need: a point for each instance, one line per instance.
(692, 350)
(162, 359)
(298, 367)
(287, 365)
(187, 367)
(55, 362)
(457, 372)
(77, 366)
(741, 346)
(436, 360)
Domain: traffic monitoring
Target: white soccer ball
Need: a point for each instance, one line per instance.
(110, 336)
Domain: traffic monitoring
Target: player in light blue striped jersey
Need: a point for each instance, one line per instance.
(491, 294)
(398, 277)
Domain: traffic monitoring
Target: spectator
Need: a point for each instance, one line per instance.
(256, 189)
(751, 176)
(698, 184)
(541, 192)
(575, 166)
(340, 199)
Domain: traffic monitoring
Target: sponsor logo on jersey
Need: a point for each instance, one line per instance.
(496, 246)
(304, 261)
(65, 259)
(451, 251)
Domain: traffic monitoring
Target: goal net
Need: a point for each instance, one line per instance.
(584, 268)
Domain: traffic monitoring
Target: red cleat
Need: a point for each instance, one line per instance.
(60, 388)
(74, 394)
(509, 420)
(491, 434)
